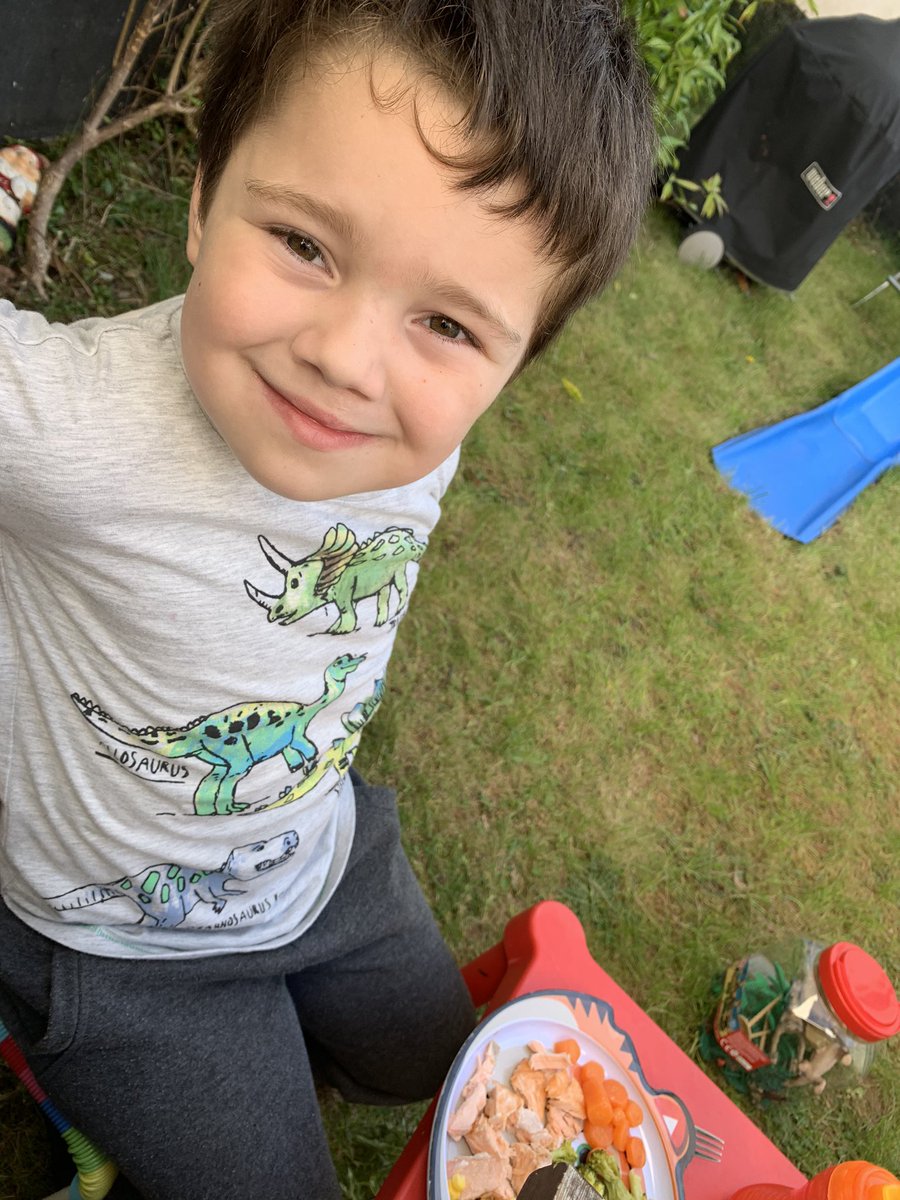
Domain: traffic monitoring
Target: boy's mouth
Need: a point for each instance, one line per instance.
(308, 424)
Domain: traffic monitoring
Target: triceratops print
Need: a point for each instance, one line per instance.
(341, 572)
(233, 740)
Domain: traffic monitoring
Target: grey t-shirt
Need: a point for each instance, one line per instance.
(186, 659)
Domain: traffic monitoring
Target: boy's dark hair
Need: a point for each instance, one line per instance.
(556, 101)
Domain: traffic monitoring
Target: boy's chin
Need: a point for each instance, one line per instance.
(310, 486)
(297, 486)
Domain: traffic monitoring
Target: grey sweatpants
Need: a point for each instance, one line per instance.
(196, 1076)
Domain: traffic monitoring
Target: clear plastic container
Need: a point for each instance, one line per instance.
(801, 1013)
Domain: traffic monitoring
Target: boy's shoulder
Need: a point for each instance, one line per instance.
(93, 379)
(25, 331)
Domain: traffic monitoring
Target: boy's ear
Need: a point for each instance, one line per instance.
(195, 228)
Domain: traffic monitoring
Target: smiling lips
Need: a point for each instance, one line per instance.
(309, 426)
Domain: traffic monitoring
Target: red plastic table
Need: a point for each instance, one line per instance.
(545, 947)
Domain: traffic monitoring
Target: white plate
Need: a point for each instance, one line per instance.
(548, 1017)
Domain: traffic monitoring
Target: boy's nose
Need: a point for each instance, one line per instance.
(343, 338)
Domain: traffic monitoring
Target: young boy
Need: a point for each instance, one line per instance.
(212, 514)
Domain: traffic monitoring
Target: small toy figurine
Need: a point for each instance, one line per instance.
(826, 1054)
(20, 178)
(788, 1022)
(818, 1051)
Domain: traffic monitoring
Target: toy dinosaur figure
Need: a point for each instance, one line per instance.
(826, 1054)
(166, 893)
(234, 740)
(341, 572)
(817, 1051)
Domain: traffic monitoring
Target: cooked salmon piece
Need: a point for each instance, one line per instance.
(485, 1137)
(555, 1082)
(562, 1124)
(530, 1128)
(502, 1105)
(473, 1096)
(523, 1160)
(483, 1174)
(531, 1086)
(565, 1092)
(549, 1060)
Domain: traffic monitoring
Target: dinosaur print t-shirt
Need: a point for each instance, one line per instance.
(187, 660)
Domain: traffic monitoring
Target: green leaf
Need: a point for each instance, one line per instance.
(747, 14)
(572, 389)
(713, 73)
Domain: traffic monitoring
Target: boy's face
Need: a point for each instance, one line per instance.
(351, 313)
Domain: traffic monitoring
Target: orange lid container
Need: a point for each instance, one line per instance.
(846, 1181)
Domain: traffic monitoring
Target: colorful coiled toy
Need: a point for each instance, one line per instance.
(95, 1171)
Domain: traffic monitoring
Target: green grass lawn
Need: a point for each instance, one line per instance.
(616, 686)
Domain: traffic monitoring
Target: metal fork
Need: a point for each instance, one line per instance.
(708, 1145)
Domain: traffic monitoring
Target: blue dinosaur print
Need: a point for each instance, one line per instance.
(165, 893)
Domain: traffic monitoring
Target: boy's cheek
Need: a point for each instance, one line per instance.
(224, 312)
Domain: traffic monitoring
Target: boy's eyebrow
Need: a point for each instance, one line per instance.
(454, 293)
(303, 203)
(457, 295)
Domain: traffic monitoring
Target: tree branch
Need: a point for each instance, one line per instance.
(187, 40)
(173, 100)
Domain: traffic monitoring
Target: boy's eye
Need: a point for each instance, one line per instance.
(447, 328)
(300, 244)
(304, 247)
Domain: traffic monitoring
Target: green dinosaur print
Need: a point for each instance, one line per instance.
(165, 893)
(234, 740)
(341, 572)
(340, 753)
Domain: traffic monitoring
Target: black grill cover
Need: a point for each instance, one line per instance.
(804, 138)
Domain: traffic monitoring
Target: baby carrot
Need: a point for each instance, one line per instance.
(598, 1137)
(616, 1092)
(596, 1101)
(635, 1152)
(634, 1113)
(620, 1136)
(569, 1046)
(592, 1068)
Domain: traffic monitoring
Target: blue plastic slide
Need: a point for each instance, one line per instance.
(803, 472)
